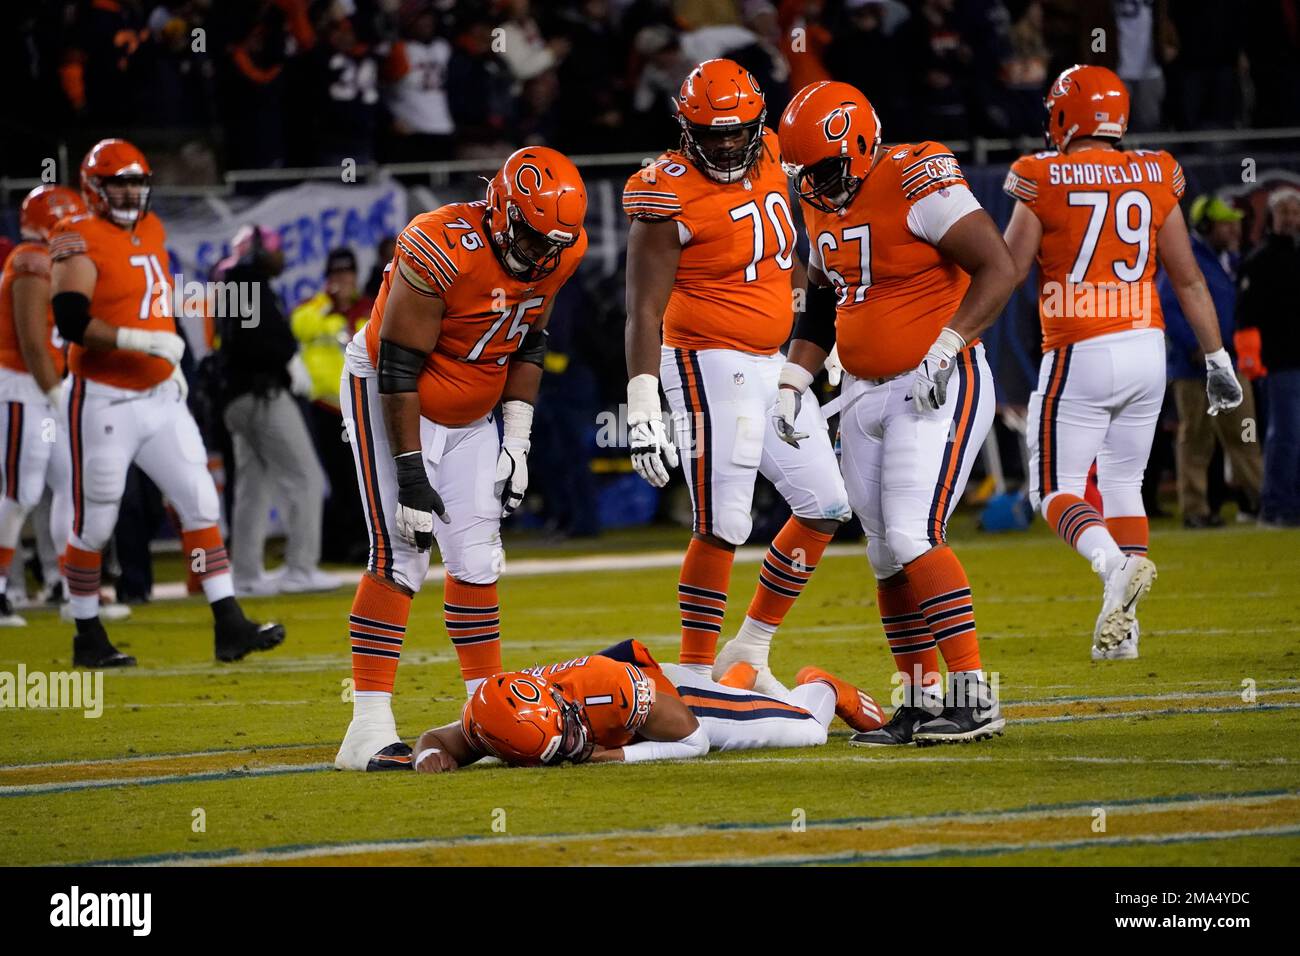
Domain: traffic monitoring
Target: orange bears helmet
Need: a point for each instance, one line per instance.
(536, 205)
(44, 206)
(829, 138)
(116, 164)
(526, 721)
(1085, 101)
(717, 101)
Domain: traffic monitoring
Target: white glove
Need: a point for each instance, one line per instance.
(794, 380)
(1221, 385)
(183, 386)
(834, 370)
(299, 378)
(512, 463)
(653, 451)
(55, 397)
(930, 385)
(163, 345)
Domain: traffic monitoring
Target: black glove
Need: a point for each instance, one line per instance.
(417, 502)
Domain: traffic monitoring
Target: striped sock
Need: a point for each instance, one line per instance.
(702, 598)
(943, 594)
(6, 561)
(790, 561)
(81, 572)
(473, 618)
(1130, 532)
(916, 655)
(1081, 527)
(377, 626)
(206, 553)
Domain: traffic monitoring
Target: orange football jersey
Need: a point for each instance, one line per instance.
(133, 289)
(732, 289)
(895, 290)
(32, 259)
(615, 696)
(1100, 210)
(488, 311)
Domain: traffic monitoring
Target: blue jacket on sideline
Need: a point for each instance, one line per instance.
(1180, 342)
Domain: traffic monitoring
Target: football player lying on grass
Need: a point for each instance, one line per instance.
(622, 705)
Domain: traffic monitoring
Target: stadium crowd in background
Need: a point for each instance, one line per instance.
(269, 83)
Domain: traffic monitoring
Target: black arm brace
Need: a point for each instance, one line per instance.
(532, 348)
(816, 323)
(399, 368)
(71, 315)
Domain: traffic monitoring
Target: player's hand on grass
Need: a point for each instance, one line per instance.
(794, 380)
(434, 760)
(1221, 385)
(930, 384)
(417, 502)
(653, 451)
(163, 345)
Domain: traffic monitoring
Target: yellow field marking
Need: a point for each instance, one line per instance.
(920, 837)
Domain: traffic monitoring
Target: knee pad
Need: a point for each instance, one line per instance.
(907, 545)
(104, 479)
(479, 562)
(732, 524)
(882, 559)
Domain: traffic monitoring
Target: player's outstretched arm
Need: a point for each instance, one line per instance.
(443, 749)
(411, 323)
(1174, 249)
(671, 732)
(1023, 237)
(653, 251)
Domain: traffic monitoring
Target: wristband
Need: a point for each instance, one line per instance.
(794, 376)
(424, 753)
(1219, 359)
(642, 398)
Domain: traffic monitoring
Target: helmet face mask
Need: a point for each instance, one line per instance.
(724, 152)
(535, 207)
(575, 741)
(524, 252)
(126, 196)
(827, 185)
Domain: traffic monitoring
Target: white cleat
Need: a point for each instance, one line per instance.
(1125, 586)
(736, 650)
(8, 617)
(1125, 650)
(298, 581)
(264, 585)
(371, 743)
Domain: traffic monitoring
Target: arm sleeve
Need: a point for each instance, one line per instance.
(695, 745)
(934, 214)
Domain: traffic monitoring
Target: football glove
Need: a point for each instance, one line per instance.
(653, 451)
(512, 463)
(930, 384)
(789, 396)
(163, 345)
(1221, 385)
(834, 370)
(299, 377)
(417, 502)
(182, 386)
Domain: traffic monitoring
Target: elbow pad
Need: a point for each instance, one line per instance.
(533, 348)
(72, 315)
(816, 323)
(399, 368)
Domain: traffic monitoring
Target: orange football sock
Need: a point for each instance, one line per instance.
(943, 594)
(790, 561)
(1131, 533)
(915, 653)
(81, 570)
(473, 618)
(702, 598)
(205, 553)
(6, 561)
(1081, 527)
(377, 625)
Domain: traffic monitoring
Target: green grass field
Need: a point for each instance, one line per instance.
(1170, 759)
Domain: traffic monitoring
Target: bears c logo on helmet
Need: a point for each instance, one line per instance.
(519, 179)
(526, 691)
(1062, 85)
(837, 123)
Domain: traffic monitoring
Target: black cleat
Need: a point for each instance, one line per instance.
(396, 756)
(897, 733)
(92, 648)
(961, 725)
(236, 639)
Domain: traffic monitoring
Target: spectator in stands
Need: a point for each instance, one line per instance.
(1146, 41)
(105, 70)
(323, 326)
(253, 87)
(1204, 87)
(526, 52)
(1273, 49)
(416, 73)
(663, 67)
(805, 40)
(479, 88)
(271, 443)
(590, 111)
(343, 72)
(937, 68)
(1024, 71)
(1216, 242)
(864, 54)
(1268, 303)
